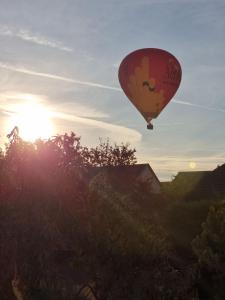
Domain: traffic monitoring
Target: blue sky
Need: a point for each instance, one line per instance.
(67, 53)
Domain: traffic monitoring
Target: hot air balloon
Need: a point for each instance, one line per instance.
(150, 78)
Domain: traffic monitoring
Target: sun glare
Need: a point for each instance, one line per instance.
(33, 120)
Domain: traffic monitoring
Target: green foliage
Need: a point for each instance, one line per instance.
(187, 186)
(183, 221)
(134, 257)
(106, 154)
(68, 238)
(209, 247)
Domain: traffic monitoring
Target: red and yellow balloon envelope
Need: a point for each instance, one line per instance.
(150, 78)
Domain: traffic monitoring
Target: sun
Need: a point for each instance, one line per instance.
(33, 120)
(192, 165)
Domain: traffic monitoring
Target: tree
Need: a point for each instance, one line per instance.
(66, 150)
(44, 209)
(209, 248)
(106, 154)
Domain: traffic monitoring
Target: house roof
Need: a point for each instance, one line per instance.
(192, 177)
(199, 184)
(135, 169)
(186, 182)
(121, 176)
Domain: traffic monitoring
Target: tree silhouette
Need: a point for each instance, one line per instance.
(68, 240)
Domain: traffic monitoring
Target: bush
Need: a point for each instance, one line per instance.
(209, 247)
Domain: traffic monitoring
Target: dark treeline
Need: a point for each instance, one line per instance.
(64, 237)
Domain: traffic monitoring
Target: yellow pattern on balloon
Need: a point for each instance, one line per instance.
(142, 89)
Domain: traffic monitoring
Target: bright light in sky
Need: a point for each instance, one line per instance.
(33, 120)
(192, 165)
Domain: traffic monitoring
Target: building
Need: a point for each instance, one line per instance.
(187, 182)
(125, 178)
(197, 185)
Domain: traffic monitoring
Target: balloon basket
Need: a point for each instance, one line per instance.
(149, 126)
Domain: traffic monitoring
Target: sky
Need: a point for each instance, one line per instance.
(65, 55)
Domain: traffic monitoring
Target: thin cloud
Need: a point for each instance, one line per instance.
(182, 159)
(131, 135)
(4, 97)
(27, 36)
(199, 106)
(81, 110)
(55, 77)
(115, 131)
(92, 84)
(9, 100)
(168, 166)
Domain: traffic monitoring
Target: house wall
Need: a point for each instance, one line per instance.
(148, 177)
